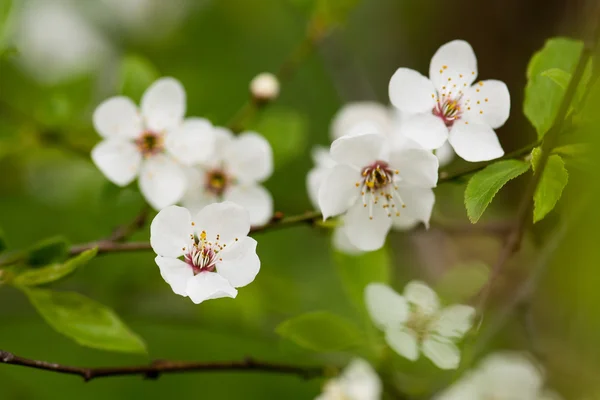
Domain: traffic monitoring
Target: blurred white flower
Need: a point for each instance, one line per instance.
(415, 322)
(218, 256)
(234, 172)
(501, 376)
(153, 142)
(264, 87)
(361, 117)
(375, 184)
(358, 381)
(446, 106)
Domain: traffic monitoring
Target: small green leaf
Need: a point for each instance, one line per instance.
(135, 75)
(578, 155)
(536, 153)
(51, 273)
(321, 331)
(558, 76)
(484, 185)
(48, 251)
(463, 282)
(84, 320)
(554, 179)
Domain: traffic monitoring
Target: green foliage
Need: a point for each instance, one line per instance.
(484, 185)
(333, 12)
(5, 11)
(2, 241)
(558, 76)
(576, 155)
(135, 75)
(463, 282)
(51, 250)
(54, 272)
(553, 181)
(321, 331)
(536, 153)
(87, 322)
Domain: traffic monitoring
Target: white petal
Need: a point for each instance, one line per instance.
(361, 381)
(162, 181)
(193, 142)
(118, 117)
(342, 243)
(207, 286)
(255, 199)
(489, 103)
(223, 139)
(445, 154)
(338, 190)
(466, 388)
(475, 142)
(426, 129)
(163, 104)
(365, 233)
(227, 220)
(359, 150)
(454, 321)
(442, 352)
(453, 59)
(196, 196)
(386, 307)
(360, 117)
(421, 295)
(170, 231)
(321, 157)
(175, 272)
(411, 92)
(240, 262)
(404, 222)
(118, 160)
(419, 203)
(314, 179)
(249, 158)
(525, 378)
(403, 342)
(416, 167)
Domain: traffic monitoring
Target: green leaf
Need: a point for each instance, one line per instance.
(54, 272)
(84, 320)
(463, 282)
(558, 76)
(135, 75)
(577, 155)
(554, 179)
(357, 271)
(484, 185)
(51, 250)
(321, 331)
(536, 153)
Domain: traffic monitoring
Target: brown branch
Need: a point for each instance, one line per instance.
(157, 368)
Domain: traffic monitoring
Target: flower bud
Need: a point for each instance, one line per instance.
(264, 87)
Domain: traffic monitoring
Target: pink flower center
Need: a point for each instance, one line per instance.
(150, 143)
(378, 186)
(448, 109)
(217, 181)
(203, 255)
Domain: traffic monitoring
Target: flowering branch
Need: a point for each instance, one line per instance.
(157, 368)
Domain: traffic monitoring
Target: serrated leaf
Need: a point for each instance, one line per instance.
(135, 75)
(463, 282)
(484, 185)
(536, 153)
(48, 251)
(550, 188)
(86, 321)
(321, 331)
(51, 273)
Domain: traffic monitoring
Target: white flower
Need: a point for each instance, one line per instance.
(501, 376)
(361, 117)
(415, 322)
(357, 382)
(234, 172)
(375, 185)
(206, 257)
(447, 107)
(264, 87)
(151, 142)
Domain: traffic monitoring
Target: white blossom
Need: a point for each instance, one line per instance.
(208, 256)
(415, 322)
(264, 87)
(153, 142)
(234, 172)
(448, 107)
(358, 381)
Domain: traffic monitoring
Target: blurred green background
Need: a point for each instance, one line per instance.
(215, 48)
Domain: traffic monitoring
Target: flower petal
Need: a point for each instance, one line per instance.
(526, 380)
(175, 272)
(193, 142)
(421, 295)
(360, 117)
(227, 220)
(419, 203)
(240, 262)
(118, 160)
(249, 158)
(342, 243)
(118, 117)
(162, 181)
(411, 92)
(426, 129)
(321, 157)
(314, 179)
(386, 307)
(416, 167)
(445, 154)
(170, 231)
(475, 142)
(207, 286)
(163, 104)
(196, 196)
(365, 233)
(404, 222)
(338, 190)
(359, 150)
(403, 342)
(361, 381)
(455, 61)
(489, 103)
(255, 199)
(454, 321)
(442, 352)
